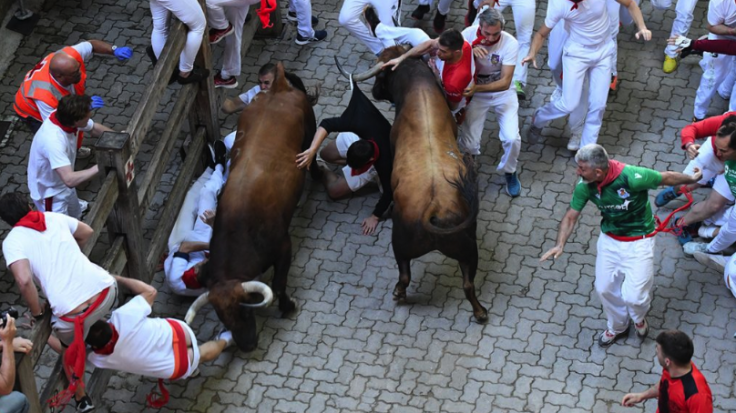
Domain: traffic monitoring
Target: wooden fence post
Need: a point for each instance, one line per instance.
(114, 153)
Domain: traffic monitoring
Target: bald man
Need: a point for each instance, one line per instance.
(60, 74)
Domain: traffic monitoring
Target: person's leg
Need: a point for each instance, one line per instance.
(557, 39)
(507, 114)
(392, 35)
(188, 212)
(613, 19)
(216, 15)
(636, 289)
(575, 64)
(600, 78)
(15, 402)
(304, 16)
(349, 18)
(160, 31)
(470, 132)
(729, 275)
(714, 71)
(191, 14)
(231, 65)
(608, 282)
(681, 24)
(443, 6)
(524, 12)
(337, 186)
(331, 154)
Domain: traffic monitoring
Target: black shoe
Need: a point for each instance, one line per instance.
(371, 19)
(220, 153)
(151, 55)
(85, 404)
(196, 75)
(318, 36)
(292, 17)
(419, 12)
(439, 22)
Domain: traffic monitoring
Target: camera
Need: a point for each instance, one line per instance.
(4, 316)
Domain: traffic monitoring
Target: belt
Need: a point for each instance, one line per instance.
(631, 239)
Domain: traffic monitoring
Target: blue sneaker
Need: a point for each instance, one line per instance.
(710, 183)
(682, 233)
(665, 196)
(513, 186)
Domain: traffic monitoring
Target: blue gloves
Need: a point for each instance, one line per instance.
(123, 53)
(97, 102)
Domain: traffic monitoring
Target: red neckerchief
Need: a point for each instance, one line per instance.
(481, 40)
(110, 346)
(614, 170)
(56, 122)
(33, 220)
(367, 166)
(575, 5)
(264, 13)
(190, 279)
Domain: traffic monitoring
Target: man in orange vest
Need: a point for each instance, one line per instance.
(59, 74)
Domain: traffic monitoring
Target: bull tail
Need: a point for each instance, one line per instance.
(467, 184)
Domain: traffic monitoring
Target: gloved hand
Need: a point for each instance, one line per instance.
(97, 102)
(123, 53)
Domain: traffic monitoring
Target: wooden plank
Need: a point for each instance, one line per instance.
(26, 381)
(159, 160)
(175, 200)
(205, 104)
(57, 382)
(115, 153)
(140, 122)
(103, 205)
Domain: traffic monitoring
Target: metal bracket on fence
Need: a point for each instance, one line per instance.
(22, 13)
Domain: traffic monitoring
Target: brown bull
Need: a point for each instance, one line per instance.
(435, 188)
(251, 230)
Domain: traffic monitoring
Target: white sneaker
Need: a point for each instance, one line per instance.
(706, 231)
(574, 143)
(713, 261)
(83, 205)
(690, 248)
(227, 336)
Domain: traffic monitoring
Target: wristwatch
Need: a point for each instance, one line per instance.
(39, 316)
(114, 48)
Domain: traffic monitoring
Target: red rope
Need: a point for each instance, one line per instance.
(663, 226)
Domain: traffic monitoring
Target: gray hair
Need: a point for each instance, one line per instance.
(491, 17)
(594, 155)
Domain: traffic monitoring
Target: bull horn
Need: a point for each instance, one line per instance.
(259, 288)
(196, 305)
(376, 69)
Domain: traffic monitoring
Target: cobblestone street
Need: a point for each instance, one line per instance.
(350, 347)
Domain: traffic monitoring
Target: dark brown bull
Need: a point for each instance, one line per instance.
(251, 231)
(435, 188)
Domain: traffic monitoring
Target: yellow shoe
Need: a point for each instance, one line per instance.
(670, 64)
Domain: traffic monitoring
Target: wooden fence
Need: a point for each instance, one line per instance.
(122, 201)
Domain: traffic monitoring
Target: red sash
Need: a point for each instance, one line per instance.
(75, 356)
(181, 364)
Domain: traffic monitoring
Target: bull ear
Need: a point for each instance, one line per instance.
(257, 287)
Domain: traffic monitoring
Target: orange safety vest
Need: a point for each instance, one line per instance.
(38, 85)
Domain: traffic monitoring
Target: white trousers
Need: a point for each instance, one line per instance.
(577, 62)
(557, 39)
(624, 276)
(729, 276)
(523, 12)
(715, 73)
(443, 6)
(393, 36)
(683, 19)
(65, 202)
(349, 18)
(188, 227)
(220, 13)
(506, 107)
(191, 14)
(303, 10)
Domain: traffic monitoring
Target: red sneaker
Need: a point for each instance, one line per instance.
(614, 83)
(218, 34)
(229, 83)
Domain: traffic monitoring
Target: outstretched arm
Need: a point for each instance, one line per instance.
(670, 178)
(563, 233)
(418, 50)
(537, 41)
(635, 13)
(138, 287)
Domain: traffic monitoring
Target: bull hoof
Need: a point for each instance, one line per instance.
(399, 293)
(481, 317)
(286, 306)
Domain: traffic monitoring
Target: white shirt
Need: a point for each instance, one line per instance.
(145, 345)
(248, 96)
(85, 50)
(51, 148)
(722, 12)
(65, 275)
(588, 24)
(503, 53)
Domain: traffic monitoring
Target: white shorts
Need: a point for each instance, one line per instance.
(721, 186)
(343, 142)
(194, 362)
